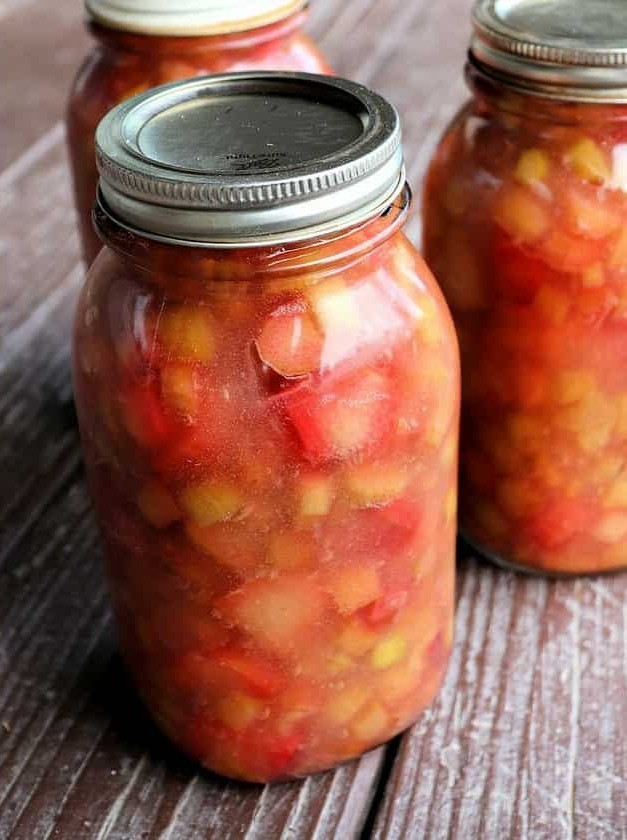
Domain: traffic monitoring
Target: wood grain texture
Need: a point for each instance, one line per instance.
(524, 740)
(526, 737)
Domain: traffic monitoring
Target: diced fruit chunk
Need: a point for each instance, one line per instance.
(231, 544)
(157, 505)
(375, 484)
(345, 704)
(334, 307)
(342, 419)
(315, 494)
(612, 527)
(522, 215)
(570, 386)
(357, 638)
(518, 274)
(290, 550)
(211, 501)
(281, 613)
(371, 723)
(180, 388)
(389, 651)
(532, 167)
(353, 587)
(559, 522)
(589, 216)
(289, 341)
(252, 673)
(593, 277)
(238, 710)
(617, 494)
(589, 161)
(552, 304)
(143, 416)
(566, 253)
(213, 671)
(385, 608)
(187, 332)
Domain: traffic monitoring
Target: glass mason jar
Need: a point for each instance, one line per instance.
(525, 214)
(139, 46)
(269, 422)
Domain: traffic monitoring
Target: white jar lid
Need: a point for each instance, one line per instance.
(189, 17)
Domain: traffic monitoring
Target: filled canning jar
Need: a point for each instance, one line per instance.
(267, 383)
(525, 214)
(139, 45)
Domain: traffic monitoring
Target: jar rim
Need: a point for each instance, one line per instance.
(240, 158)
(560, 50)
(189, 17)
(401, 199)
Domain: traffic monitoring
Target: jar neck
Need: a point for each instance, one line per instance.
(320, 257)
(497, 95)
(118, 40)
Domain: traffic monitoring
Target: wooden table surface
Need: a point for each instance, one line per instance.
(527, 737)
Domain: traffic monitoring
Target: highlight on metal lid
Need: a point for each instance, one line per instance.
(562, 48)
(243, 158)
(189, 17)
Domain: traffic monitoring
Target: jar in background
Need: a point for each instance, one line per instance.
(139, 45)
(525, 214)
(267, 384)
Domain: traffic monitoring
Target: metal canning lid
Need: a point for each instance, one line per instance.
(249, 158)
(571, 49)
(189, 17)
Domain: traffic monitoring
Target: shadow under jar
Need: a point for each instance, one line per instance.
(267, 383)
(525, 213)
(139, 46)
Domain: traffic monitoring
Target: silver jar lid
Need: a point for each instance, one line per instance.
(571, 49)
(189, 17)
(249, 158)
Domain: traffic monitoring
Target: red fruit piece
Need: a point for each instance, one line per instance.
(384, 609)
(192, 447)
(258, 676)
(289, 341)
(233, 545)
(519, 274)
(563, 252)
(143, 416)
(374, 535)
(267, 756)
(559, 522)
(213, 672)
(336, 420)
(404, 515)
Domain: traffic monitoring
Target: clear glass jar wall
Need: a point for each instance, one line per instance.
(271, 443)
